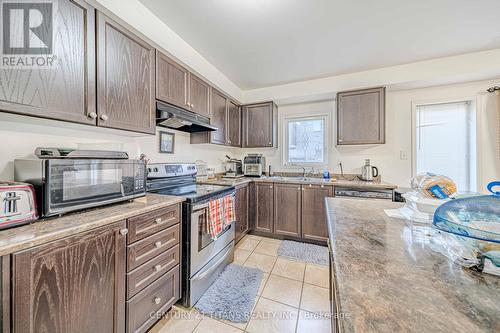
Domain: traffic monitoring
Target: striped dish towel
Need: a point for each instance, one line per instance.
(221, 214)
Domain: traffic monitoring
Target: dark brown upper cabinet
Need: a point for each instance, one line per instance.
(76, 284)
(260, 125)
(177, 86)
(233, 124)
(171, 81)
(218, 119)
(66, 92)
(314, 224)
(361, 117)
(125, 78)
(226, 116)
(199, 95)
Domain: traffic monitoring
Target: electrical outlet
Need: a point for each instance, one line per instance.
(403, 154)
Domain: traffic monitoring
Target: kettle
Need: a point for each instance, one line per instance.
(368, 172)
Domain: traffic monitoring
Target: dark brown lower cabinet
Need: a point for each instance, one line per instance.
(5, 294)
(242, 202)
(72, 285)
(287, 208)
(264, 207)
(314, 212)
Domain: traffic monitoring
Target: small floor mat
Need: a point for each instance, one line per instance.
(233, 294)
(314, 254)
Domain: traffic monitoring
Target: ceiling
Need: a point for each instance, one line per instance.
(259, 43)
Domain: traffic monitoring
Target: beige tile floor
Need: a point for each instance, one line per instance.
(293, 296)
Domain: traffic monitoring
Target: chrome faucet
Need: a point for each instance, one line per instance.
(304, 173)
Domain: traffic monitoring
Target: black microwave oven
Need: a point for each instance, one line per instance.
(67, 185)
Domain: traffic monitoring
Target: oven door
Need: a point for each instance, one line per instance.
(79, 184)
(203, 247)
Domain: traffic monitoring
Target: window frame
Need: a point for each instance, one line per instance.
(285, 139)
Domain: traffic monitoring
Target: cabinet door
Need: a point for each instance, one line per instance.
(314, 225)
(73, 285)
(125, 75)
(361, 117)
(264, 207)
(67, 90)
(287, 200)
(218, 117)
(171, 81)
(259, 125)
(233, 124)
(241, 226)
(199, 95)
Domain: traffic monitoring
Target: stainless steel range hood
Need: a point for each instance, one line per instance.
(173, 117)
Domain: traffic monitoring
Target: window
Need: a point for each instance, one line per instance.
(446, 142)
(305, 140)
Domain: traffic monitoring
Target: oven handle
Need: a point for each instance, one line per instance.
(214, 266)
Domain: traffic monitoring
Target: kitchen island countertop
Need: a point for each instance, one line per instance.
(43, 231)
(389, 280)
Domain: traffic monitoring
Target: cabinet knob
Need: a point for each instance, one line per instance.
(123, 232)
(92, 115)
(187, 104)
(158, 244)
(104, 117)
(192, 105)
(340, 140)
(270, 143)
(157, 268)
(303, 189)
(298, 188)
(157, 300)
(271, 186)
(158, 220)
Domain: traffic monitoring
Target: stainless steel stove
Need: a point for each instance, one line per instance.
(203, 258)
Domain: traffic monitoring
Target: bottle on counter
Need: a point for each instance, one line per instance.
(326, 174)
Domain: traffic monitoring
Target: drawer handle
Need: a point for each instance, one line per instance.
(124, 231)
(158, 244)
(157, 268)
(158, 220)
(157, 300)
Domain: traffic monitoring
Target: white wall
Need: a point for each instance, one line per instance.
(398, 132)
(21, 135)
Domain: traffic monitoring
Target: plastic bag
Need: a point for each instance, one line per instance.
(433, 185)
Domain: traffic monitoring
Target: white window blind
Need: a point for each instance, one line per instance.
(446, 142)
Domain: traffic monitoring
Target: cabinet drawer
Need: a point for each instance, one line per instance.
(143, 275)
(148, 248)
(147, 307)
(145, 225)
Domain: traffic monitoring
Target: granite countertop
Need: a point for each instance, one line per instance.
(43, 231)
(297, 180)
(389, 280)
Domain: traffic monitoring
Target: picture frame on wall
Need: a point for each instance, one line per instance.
(167, 142)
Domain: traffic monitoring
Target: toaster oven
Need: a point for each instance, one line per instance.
(254, 165)
(66, 185)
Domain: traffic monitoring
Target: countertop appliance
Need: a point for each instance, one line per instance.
(171, 116)
(64, 185)
(356, 192)
(254, 165)
(368, 172)
(204, 258)
(18, 204)
(233, 168)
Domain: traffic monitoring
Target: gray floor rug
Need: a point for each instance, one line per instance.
(233, 294)
(314, 254)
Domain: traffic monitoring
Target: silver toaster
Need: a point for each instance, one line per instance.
(18, 204)
(254, 165)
